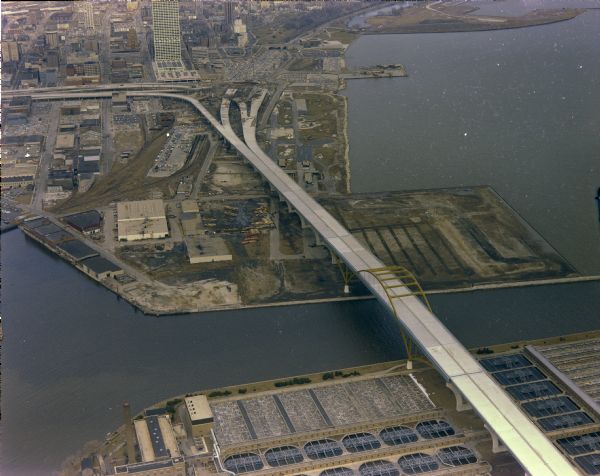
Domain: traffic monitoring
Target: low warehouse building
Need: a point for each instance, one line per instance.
(88, 223)
(156, 439)
(207, 249)
(48, 229)
(65, 141)
(100, 268)
(59, 237)
(189, 206)
(76, 250)
(16, 181)
(19, 175)
(35, 222)
(141, 220)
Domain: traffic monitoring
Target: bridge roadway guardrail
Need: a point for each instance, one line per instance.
(536, 453)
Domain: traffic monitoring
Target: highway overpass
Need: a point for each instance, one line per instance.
(92, 88)
(505, 420)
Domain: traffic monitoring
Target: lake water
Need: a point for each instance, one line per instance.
(73, 352)
(514, 109)
(522, 7)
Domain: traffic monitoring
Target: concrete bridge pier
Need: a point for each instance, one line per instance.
(497, 444)
(461, 404)
(334, 258)
(304, 225)
(318, 239)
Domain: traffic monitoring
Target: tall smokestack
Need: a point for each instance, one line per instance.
(128, 432)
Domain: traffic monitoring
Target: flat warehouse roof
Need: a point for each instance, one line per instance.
(65, 141)
(98, 264)
(142, 433)
(84, 220)
(198, 408)
(77, 249)
(33, 223)
(143, 227)
(59, 236)
(22, 139)
(158, 442)
(140, 209)
(189, 206)
(48, 229)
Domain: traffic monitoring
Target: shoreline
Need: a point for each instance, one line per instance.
(462, 26)
(151, 312)
(420, 29)
(347, 144)
(117, 436)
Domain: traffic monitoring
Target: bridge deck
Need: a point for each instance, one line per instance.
(526, 442)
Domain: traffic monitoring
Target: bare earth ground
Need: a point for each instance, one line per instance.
(439, 18)
(449, 238)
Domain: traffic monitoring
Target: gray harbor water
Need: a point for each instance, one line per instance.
(514, 109)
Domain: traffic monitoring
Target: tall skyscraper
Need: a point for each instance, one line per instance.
(167, 35)
(88, 14)
(229, 12)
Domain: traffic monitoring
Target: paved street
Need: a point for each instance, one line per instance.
(108, 152)
(46, 159)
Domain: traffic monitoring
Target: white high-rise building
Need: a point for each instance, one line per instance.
(88, 15)
(167, 34)
(239, 28)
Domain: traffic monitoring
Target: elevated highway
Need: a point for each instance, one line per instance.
(171, 86)
(508, 425)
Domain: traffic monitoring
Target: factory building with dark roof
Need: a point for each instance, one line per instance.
(88, 223)
(100, 268)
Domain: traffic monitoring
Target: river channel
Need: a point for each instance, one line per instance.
(72, 351)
